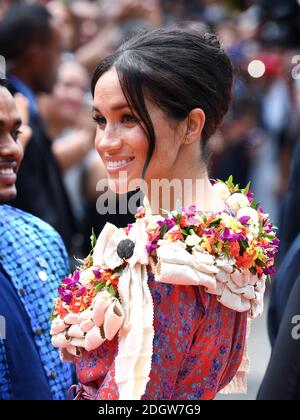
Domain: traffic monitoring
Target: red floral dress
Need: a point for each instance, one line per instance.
(197, 349)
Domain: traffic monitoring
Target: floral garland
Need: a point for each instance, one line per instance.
(77, 292)
(241, 234)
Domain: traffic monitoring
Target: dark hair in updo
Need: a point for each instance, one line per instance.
(179, 70)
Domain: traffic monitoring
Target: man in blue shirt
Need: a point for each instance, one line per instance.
(32, 262)
(31, 44)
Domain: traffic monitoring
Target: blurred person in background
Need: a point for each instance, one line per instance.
(285, 278)
(5, 5)
(69, 127)
(233, 149)
(113, 19)
(290, 226)
(282, 379)
(67, 23)
(33, 260)
(289, 269)
(31, 45)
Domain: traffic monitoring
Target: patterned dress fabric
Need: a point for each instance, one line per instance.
(197, 350)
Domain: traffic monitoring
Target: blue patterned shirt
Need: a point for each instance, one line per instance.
(33, 256)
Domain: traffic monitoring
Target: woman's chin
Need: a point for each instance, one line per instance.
(123, 186)
(118, 187)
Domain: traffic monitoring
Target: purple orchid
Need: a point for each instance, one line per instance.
(250, 195)
(190, 211)
(151, 247)
(208, 232)
(72, 282)
(244, 220)
(269, 270)
(170, 222)
(97, 274)
(65, 295)
(228, 236)
(275, 242)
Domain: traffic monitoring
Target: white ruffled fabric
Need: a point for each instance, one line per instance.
(238, 290)
(88, 329)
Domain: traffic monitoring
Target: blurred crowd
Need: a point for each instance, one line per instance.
(258, 136)
(257, 141)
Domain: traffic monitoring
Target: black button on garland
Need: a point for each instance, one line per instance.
(125, 248)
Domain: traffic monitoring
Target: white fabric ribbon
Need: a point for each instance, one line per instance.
(133, 361)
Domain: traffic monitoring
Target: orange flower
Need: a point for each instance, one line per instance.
(154, 236)
(199, 230)
(114, 281)
(184, 221)
(234, 249)
(246, 260)
(175, 235)
(75, 305)
(259, 270)
(62, 312)
(206, 244)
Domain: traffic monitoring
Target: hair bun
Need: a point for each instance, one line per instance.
(211, 40)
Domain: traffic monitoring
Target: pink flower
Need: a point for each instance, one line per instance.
(81, 291)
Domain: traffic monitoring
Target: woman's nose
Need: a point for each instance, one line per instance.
(109, 140)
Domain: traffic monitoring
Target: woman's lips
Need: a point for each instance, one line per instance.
(116, 165)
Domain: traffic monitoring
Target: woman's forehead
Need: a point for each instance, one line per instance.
(108, 90)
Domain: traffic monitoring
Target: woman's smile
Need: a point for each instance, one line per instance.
(114, 165)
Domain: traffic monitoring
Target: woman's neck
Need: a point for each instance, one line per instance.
(194, 188)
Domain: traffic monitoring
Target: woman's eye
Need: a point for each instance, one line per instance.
(128, 118)
(125, 119)
(99, 120)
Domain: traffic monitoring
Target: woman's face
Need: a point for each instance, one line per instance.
(122, 143)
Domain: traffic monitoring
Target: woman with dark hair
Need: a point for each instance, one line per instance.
(157, 101)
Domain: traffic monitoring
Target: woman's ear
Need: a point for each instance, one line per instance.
(195, 124)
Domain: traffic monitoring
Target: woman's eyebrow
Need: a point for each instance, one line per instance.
(116, 107)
